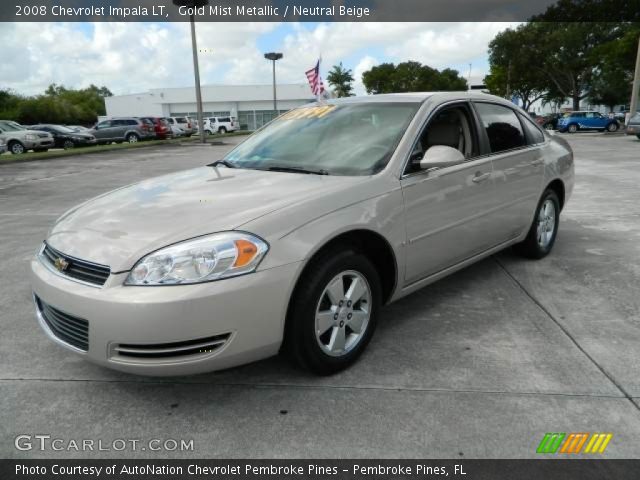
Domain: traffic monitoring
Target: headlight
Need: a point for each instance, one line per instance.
(203, 259)
(31, 137)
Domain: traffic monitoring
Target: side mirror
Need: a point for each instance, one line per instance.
(440, 156)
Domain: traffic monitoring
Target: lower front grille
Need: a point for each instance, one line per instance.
(68, 328)
(202, 346)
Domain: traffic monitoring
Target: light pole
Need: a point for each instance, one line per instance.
(273, 56)
(633, 108)
(196, 69)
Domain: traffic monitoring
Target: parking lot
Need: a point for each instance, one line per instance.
(479, 365)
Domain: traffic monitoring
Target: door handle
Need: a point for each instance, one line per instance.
(480, 177)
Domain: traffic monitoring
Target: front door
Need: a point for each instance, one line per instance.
(448, 210)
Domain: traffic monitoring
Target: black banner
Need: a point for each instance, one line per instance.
(543, 469)
(312, 10)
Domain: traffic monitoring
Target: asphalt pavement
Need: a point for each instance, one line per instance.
(479, 365)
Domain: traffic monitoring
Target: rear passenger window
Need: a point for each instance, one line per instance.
(534, 135)
(502, 126)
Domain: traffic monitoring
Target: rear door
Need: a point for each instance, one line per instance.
(516, 147)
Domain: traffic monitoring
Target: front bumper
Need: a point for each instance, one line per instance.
(248, 311)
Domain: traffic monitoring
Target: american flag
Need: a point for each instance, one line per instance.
(315, 81)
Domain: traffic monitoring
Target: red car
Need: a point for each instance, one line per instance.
(160, 125)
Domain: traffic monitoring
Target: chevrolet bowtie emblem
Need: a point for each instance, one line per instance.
(61, 264)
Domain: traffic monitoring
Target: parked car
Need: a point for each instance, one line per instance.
(633, 127)
(322, 217)
(78, 128)
(122, 129)
(183, 123)
(19, 139)
(220, 125)
(64, 137)
(161, 127)
(550, 121)
(587, 120)
(176, 131)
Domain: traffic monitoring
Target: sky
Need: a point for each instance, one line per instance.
(135, 57)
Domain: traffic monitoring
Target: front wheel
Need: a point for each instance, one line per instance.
(573, 128)
(543, 231)
(334, 311)
(612, 127)
(16, 148)
(68, 144)
(548, 126)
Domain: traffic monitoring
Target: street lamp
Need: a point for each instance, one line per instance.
(273, 56)
(196, 69)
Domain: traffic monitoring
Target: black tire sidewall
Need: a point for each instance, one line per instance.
(13, 144)
(530, 247)
(300, 336)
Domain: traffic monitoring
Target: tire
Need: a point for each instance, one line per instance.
(573, 128)
(612, 127)
(68, 144)
(16, 148)
(548, 126)
(222, 130)
(538, 244)
(321, 352)
(638, 136)
(132, 138)
(208, 132)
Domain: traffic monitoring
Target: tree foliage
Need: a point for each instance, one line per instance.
(411, 77)
(57, 105)
(559, 55)
(341, 79)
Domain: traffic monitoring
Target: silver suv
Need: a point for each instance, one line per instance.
(122, 129)
(20, 139)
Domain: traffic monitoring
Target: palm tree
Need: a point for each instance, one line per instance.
(341, 80)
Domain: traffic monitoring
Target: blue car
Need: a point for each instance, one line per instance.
(574, 121)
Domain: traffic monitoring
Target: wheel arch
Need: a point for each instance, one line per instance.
(557, 185)
(373, 245)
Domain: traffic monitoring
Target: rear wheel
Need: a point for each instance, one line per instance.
(334, 311)
(543, 231)
(548, 126)
(132, 138)
(573, 128)
(68, 144)
(222, 130)
(16, 147)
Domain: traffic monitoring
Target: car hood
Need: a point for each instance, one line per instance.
(119, 227)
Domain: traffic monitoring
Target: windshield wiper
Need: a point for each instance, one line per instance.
(224, 162)
(298, 170)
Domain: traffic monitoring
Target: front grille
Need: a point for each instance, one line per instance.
(74, 267)
(69, 329)
(43, 135)
(202, 346)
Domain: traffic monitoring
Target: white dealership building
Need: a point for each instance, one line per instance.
(252, 105)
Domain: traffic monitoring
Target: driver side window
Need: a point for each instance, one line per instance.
(451, 127)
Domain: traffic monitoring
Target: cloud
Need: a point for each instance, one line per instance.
(134, 57)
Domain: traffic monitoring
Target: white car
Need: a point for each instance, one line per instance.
(183, 123)
(220, 125)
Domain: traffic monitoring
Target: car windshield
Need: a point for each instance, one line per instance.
(338, 139)
(61, 129)
(11, 126)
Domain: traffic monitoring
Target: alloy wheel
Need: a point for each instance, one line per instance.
(343, 313)
(546, 223)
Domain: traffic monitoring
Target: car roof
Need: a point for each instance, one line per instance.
(420, 97)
